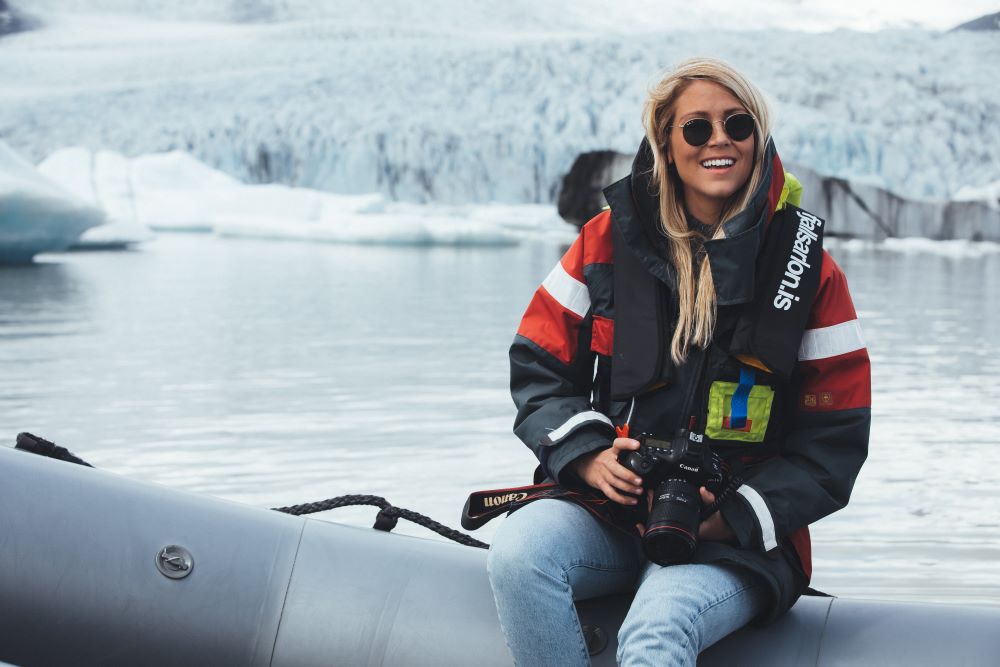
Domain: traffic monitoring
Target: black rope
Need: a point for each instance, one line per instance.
(386, 518)
(32, 443)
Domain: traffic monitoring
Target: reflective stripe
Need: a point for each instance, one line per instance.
(763, 516)
(575, 422)
(567, 290)
(831, 341)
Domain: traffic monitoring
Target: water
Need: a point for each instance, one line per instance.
(278, 373)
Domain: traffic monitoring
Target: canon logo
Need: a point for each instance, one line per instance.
(496, 501)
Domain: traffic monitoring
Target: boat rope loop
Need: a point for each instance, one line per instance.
(386, 519)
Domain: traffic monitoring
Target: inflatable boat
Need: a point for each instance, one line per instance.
(97, 569)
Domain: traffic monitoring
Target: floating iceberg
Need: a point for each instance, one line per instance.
(103, 180)
(36, 215)
(175, 192)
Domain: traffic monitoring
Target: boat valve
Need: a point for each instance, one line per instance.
(174, 561)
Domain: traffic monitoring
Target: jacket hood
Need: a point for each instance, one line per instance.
(635, 204)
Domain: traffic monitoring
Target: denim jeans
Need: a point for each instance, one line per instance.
(552, 552)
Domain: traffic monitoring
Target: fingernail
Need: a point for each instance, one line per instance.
(637, 481)
(632, 502)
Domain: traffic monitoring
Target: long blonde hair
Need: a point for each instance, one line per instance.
(696, 320)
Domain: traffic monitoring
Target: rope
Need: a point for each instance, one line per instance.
(386, 519)
(387, 516)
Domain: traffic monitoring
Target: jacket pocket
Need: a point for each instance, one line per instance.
(720, 402)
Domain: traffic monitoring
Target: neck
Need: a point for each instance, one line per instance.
(706, 211)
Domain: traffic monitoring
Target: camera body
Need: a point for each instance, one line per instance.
(674, 469)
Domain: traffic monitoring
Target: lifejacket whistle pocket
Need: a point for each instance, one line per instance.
(739, 411)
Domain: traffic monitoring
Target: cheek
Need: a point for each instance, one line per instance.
(745, 169)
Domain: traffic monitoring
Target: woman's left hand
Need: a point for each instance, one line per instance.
(714, 528)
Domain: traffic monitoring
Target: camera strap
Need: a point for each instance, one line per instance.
(483, 506)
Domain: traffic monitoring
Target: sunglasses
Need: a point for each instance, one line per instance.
(698, 131)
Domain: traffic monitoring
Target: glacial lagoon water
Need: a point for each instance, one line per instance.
(278, 373)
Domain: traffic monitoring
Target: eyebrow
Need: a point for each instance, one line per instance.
(703, 114)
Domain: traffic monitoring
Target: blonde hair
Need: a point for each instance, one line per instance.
(696, 320)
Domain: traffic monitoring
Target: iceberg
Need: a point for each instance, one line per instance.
(175, 192)
(103, 180)
(36, 214)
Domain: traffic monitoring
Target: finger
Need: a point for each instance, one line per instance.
(610, 492)
(625, 443)
(623, 474)
(624, 485)
(641, 528)
(707, 496)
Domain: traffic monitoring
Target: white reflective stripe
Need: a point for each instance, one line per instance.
(567, 290)
(578, 420)
(831, 341)
(763, 516)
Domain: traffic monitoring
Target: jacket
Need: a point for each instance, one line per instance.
(806, 432)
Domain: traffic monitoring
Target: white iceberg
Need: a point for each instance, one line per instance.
(175, 192)
(36, 214)
(102, 179)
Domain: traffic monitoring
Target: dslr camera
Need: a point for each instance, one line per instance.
(674, 469)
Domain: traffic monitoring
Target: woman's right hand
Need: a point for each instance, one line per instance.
(602, 471)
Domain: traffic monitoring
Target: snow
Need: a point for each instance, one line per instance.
(492, 104)
(989, 194)
(36, 215)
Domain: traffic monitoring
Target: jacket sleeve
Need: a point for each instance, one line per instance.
(552, 364)
(828, 439)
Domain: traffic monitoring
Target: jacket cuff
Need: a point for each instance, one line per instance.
(582, 442)
(740, 519)
(748, 515)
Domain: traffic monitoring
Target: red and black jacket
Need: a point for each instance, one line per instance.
(575, 375)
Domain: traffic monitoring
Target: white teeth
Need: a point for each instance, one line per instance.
(723, 162)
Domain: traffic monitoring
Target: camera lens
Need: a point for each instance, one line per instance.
(672, 527)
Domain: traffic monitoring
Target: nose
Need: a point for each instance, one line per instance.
(719, 134)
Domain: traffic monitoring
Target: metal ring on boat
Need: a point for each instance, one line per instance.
(174, 561)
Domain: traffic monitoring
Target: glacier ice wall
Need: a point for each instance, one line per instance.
(430, 115)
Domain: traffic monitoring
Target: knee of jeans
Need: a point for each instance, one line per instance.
(513, 557)
(641, 631)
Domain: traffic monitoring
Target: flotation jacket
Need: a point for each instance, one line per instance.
(786, 401)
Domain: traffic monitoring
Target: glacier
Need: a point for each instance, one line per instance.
(491, 106)
(36, 215)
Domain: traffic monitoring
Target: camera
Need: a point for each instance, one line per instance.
(674, 469)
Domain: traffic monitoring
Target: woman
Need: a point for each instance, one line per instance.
(701, 306)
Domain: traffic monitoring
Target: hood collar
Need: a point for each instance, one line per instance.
(635, 205)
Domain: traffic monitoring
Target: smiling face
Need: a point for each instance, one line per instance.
(707, 187)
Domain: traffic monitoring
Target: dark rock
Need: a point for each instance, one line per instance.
(988, 22)
(580, 196)
(14, 20)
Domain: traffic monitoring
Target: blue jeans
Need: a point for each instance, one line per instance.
(552, 552)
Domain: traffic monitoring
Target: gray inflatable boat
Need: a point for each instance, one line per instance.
(96, 569)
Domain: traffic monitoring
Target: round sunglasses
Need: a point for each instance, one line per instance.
(698, 131)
